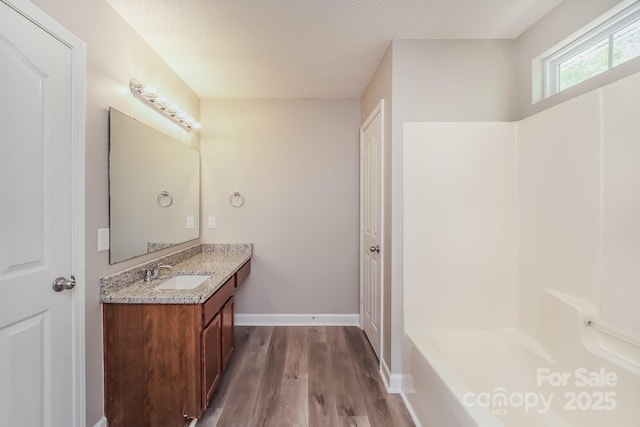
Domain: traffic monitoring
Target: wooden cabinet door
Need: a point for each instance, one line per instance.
(211, 362)
(227, 332)
(152, 363)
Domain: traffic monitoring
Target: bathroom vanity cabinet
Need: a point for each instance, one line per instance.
(164, 361)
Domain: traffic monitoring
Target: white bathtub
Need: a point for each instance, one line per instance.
(564, 376)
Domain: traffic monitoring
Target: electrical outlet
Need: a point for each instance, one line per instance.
(212, 222)
(191, 222)
(103, 239)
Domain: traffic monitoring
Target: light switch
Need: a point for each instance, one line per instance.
(212, 222)
(191, 222)
(103, 239)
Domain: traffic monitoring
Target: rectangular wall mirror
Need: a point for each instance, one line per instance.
(154, 189)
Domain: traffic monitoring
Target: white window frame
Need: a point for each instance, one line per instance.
(580, 43)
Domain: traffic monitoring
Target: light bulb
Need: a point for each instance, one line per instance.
(150, 92)
(161, 102)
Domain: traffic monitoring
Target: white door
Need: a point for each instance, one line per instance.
(36, 368)
(371, 223)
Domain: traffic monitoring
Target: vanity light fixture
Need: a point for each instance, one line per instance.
(149, 96)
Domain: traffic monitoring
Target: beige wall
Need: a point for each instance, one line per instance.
(453, 80)
(560, 23)
(296, 164)
(115, 55)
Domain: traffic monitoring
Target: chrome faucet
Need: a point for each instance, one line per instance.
(152, 273)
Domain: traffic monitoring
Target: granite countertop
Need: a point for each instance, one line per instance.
(215, 260)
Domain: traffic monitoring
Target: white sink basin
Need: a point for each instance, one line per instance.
(182, 282)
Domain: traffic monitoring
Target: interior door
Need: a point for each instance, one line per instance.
(36, 371)
(371, 135)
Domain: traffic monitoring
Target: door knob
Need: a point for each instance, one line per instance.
(62, 283)
(375, 248)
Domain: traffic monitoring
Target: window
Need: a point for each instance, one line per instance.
(611, 43)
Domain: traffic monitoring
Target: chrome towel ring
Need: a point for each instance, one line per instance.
(165, 199)
(236, 199)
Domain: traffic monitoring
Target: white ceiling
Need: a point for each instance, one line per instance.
(307, 48)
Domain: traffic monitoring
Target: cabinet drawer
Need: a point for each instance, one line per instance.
(243, 273)
(213, 305)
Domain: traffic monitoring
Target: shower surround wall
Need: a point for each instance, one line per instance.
(579, 192)
(572, 190)
(559, 185)
(460, 225)
(568, 175)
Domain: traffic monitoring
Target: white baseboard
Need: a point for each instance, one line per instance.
(392, 382)
(395, 383)
(297, 319)
(103, 422)
(414, 417)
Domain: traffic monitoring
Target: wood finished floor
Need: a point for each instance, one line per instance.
(303, 376)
